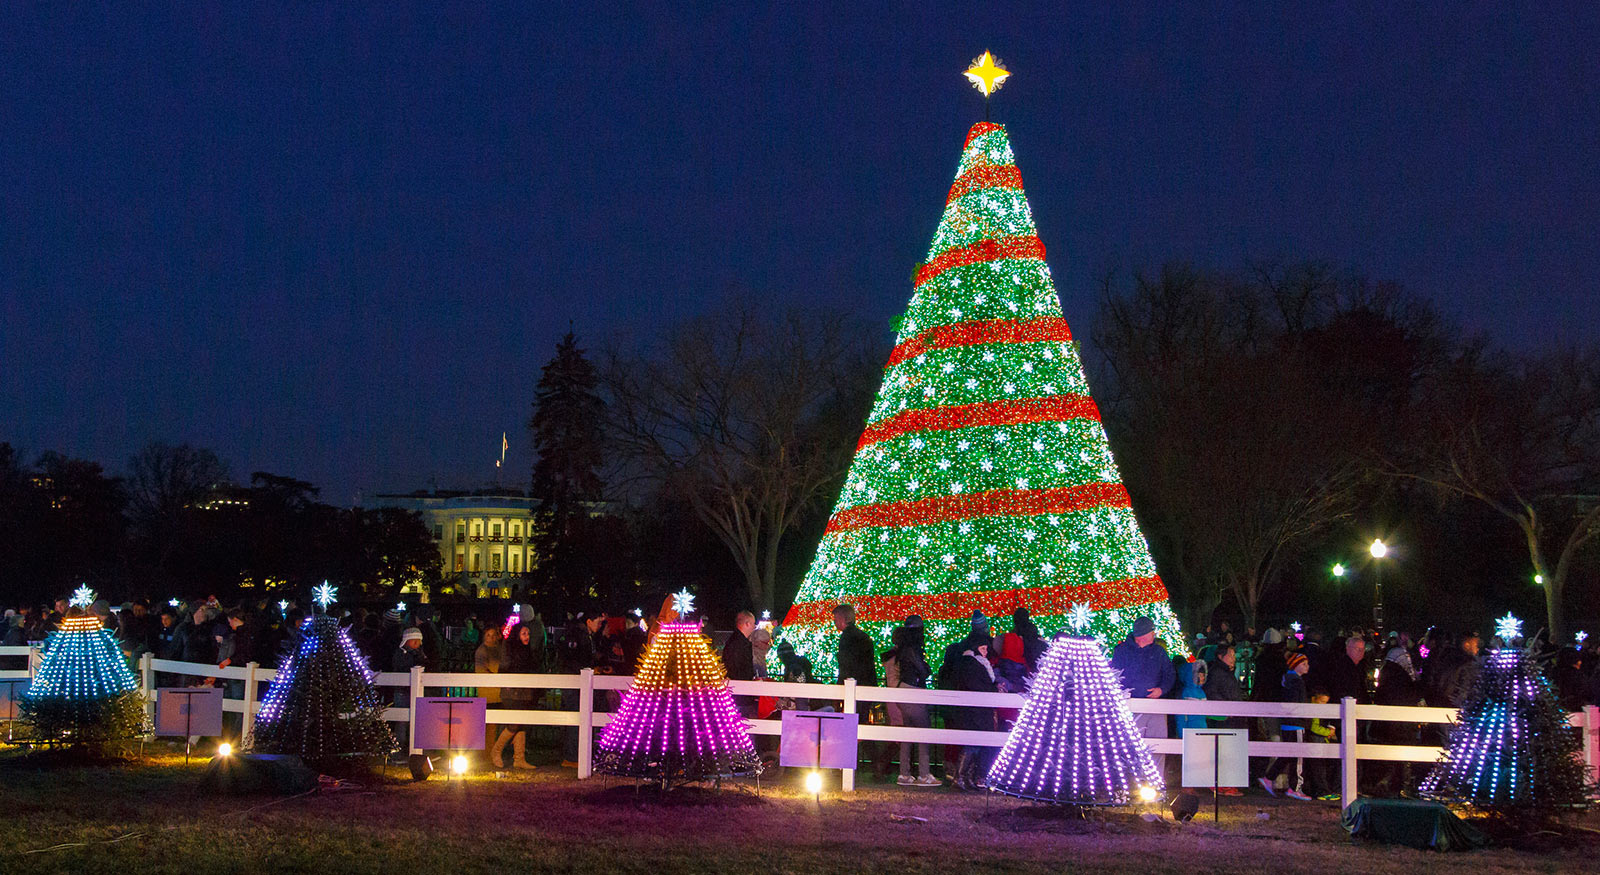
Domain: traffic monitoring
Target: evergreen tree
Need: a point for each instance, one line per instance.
(1512, 752)
(84, 695)
(567, 434)
(983, 480)
(323, 705)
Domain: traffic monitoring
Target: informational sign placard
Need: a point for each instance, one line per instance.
(186, 711)
(818, 740)
(1216, 757)
(451, 722)
(11, 692)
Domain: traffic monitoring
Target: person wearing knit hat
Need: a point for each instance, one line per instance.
(1294, 690)
(394, 617)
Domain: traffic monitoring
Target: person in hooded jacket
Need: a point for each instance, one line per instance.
(905, 665)
(972, 672)
(1033, 643)
(1398, 684)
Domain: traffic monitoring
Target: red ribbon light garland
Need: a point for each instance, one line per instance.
(977, 131)
(1040, 601)
(977, 253)
(998, 502)
(1045, 330)
(1057, 408)
(985, 176)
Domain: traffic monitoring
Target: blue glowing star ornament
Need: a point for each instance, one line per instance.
(401, 607)
(1508, 628)
(1295, 626)
(283, 606)
(324, 595)
(683, 601)
(1582, 636)
(82, 597)
(173, 602)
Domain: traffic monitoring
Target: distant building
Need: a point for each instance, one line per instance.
(485, 538)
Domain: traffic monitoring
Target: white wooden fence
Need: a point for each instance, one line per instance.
(1349, 751)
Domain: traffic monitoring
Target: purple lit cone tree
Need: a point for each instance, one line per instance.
(1075, 742)
(678, 721)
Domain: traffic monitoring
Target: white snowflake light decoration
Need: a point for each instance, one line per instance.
(1079, 616)
(1508, 627)
(683, 601)
(1295, 626)
(1582, 636)
(324, 594)
(82, 597)
(283, 606)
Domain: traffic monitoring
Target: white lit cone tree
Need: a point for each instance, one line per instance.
(1075, 742)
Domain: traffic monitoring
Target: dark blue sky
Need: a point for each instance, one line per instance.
(338, 244)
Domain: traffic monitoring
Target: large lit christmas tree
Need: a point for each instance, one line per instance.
(323, 705)
(678, 721)
(983, 480)
(84, 694)
(1511, 751)
(1075, 742)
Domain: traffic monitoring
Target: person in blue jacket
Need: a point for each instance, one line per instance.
(1147, 673)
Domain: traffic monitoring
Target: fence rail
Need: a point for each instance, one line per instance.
(1349, 750)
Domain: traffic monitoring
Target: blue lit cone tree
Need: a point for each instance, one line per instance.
(1511, 753)
(1075, 742)
(983, 480)
(84, 695)
(323, 705)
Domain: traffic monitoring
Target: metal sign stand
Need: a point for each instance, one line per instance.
(188, 717)
(1216, 770)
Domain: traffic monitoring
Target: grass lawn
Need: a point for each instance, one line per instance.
(549, 821)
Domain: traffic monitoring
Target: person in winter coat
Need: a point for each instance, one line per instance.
(1146, 674)
(516, 657)
(486, 659)
(1191, 685)
(1293, 688)
(739, 658)
(1348, 672)
(972, 673)
(1222, 685)
(1398, 685)
(855, 655)
(577, 653)
(1033, 643)
(796, 670)
(905, 665)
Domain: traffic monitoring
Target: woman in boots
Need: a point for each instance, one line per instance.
(517, 659)
(486, 660)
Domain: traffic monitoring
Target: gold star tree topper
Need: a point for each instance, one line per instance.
(986, 74)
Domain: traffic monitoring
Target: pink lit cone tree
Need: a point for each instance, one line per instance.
(678, 721)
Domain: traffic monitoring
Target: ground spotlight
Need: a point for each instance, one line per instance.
(1148, 793)
(224, 749)
(458, 764)
(813, 782)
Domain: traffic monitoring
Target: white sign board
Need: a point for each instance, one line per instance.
(818, 740)
(1216, 757)
(186, 711)
(451, 722)
(11, 693)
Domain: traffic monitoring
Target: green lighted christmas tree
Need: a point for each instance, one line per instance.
(983, 480)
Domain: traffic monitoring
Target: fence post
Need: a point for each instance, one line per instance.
(246, 733)
(1591, 740)
(147, 686)
(411, 709)
(585, 723)
(847, 782)
(1347, 752)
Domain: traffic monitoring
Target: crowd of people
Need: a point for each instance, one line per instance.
(1436, 669)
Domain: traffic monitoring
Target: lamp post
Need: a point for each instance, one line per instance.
(1378, 551)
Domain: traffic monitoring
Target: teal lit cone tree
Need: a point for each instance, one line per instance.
(84, 695)
(1512, 753)
(983, 480)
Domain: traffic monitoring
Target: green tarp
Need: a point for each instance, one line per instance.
(1411, 822)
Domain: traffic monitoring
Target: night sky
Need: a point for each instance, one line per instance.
(338, 245)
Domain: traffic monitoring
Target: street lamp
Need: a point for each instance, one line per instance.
(1378, 550)
(1338, 569)
(1538, 579)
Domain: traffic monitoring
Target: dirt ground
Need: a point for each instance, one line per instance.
(150, 816)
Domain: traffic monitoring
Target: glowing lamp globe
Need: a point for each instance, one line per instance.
(1378, 549)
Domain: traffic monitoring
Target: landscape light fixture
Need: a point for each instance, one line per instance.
(224, 749)
(814, 782)
(458, 764)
